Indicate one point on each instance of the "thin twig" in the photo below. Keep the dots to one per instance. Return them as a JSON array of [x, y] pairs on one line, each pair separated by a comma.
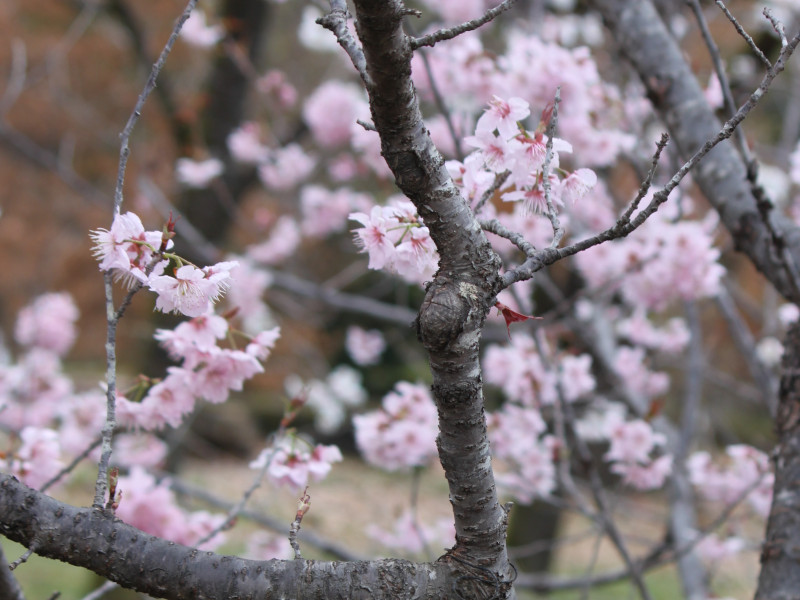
[[724, 83], [75, 462], [112, 316], [552, 213], [336, 550], [499, 180], [16, 77], [496, 227], [22, 559], [442, 105], [744, 34], [449, 34], [625, 226], [101, 591], [777, 26], [237, 508], [302, 508], [124, 152], [336, 22]]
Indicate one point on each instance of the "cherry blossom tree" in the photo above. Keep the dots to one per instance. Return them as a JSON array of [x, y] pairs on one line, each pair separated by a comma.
[[498, 170]]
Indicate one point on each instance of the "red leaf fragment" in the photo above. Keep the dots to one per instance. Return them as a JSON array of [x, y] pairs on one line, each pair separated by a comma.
[[511, 316]]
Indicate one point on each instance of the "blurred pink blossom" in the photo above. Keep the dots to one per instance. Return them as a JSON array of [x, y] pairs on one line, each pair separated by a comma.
[[197, 173], [48, 323], [364, 347], [197, 33]]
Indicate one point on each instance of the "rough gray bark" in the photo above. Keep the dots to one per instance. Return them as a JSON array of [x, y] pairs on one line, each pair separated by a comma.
[[780, 575], [9, 587], [457, 300], [449, 325], [98, 541]]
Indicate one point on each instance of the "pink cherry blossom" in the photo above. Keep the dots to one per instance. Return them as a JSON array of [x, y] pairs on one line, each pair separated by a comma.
[[326, 212], [248, 284], [167, 402], [403, 433], [629, 363], [713, 549], [48, 323], [364, 347], [503, 115], [144, 450], [189, 292], [373, 237], [245, 145], [331, 397], [198, 173], [200, 333], [220, 370], [577, 185], [151, 506], [263, 343], [277, 86], [648, 476], [126, 248], [196, 32], [633, 441], [293, 465], [263, 545], [286, 167], [283, 240], [413, 537], [331, 110], [38, 459], [727, 480]]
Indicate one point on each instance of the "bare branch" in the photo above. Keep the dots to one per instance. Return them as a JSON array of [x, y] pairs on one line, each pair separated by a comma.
[[552, 213], [499, 180], [625, 224], [722, 76], [744, 34], [777, 26], [496, 227], [336, 22], [9, 586], [449, 34], [112, 316], [137, 109], [97, 540], [16, 77]]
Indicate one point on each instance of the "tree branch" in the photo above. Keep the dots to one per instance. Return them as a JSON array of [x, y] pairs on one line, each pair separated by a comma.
[[97, 540], [652, 50], [448, 34]]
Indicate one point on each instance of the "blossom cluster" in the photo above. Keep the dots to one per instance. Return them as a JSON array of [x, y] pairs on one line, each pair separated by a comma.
[[661, 262], [396, 240], [504, 145], [292, 462], [747, 473], [207, 371], [136, 255], [519, 370], [329, 398], [631, 454], [402, 434], [524, 451], [151, 506]]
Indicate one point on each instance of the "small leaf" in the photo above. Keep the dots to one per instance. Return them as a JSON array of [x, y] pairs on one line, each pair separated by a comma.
[[511, 316]]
